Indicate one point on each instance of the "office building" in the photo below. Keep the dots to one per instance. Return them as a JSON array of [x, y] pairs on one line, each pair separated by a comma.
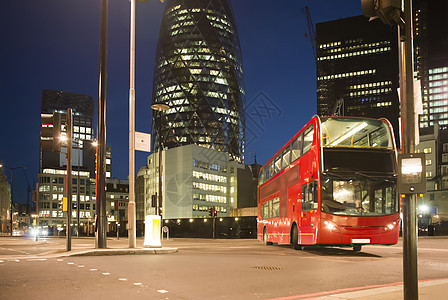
[[198, 73], [53, 165], [357, 69], [195, 179], [431, 61], [117, 200]]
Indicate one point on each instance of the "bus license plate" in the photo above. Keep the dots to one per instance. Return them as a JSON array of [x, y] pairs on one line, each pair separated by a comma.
[[360, 241]]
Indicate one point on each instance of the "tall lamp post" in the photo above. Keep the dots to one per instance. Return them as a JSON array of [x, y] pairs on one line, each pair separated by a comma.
[[160, 107], [12, 190], [131, 206], [101, 221]]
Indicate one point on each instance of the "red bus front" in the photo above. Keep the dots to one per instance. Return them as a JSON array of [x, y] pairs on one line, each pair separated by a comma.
[[338, 190]]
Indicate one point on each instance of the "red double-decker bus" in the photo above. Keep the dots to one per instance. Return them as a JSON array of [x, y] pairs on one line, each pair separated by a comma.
[[333, 184]]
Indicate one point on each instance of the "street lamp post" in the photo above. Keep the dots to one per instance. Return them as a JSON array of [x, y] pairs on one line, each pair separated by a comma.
[[69, 178], [160, 107], [131, 205], [101, 221]]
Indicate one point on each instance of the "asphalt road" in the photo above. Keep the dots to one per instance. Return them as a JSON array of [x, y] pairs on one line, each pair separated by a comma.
[[206, 269]]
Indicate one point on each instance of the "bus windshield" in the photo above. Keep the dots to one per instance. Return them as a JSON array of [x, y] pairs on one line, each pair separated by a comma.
[[355, 133], [358, 195]]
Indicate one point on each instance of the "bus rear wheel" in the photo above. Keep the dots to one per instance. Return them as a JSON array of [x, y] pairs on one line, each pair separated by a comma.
[[295, 239], [265, 237], [357, 248]]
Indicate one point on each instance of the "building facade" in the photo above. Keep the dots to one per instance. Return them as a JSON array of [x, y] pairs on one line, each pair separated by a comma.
[[198, 73], [431, 60], [194, 179], [433, 205], [53, 165], [5, 203], [357, 69], [117, 200]]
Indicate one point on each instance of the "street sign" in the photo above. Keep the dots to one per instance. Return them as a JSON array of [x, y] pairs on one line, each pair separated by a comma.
[[142, 141], [411, 173]]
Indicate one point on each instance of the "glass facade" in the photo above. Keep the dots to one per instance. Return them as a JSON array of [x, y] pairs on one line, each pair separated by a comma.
[[357, 73], [198, 73]]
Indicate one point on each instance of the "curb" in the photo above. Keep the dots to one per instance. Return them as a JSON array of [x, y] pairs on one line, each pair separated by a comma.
[[108, 252], [93, 252]]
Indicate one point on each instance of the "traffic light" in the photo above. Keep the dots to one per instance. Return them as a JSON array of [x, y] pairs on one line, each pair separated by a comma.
[[50, 131], [389, 11], [211, 211], [215, 212], [153, 200]]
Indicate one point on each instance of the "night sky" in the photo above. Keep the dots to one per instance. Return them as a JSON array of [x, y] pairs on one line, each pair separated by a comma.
[[54, 44]]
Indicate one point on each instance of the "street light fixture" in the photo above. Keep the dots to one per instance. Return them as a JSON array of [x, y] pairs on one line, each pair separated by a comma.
[[160, 107]]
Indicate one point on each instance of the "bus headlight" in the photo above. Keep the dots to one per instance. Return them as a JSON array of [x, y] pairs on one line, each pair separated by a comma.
[[390, 226], [330, 225]]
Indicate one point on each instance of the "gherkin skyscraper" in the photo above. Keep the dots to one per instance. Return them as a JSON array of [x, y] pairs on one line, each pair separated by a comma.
[[198, 73]]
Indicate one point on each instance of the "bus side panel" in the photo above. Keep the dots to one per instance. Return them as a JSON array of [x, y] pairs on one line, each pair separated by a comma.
[[293, 206], [264, 192], [310, 219]]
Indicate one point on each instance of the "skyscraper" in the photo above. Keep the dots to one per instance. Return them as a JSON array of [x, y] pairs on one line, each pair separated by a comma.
[[52, 168], [82, 105], [357, 71], [198, 73], [431, 61]]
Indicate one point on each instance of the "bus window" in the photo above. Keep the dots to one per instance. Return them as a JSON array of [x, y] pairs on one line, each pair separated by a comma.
[[275, 207], [278, 164], [262, 176], [265, 212], [271, 168], [296, 146], [309, 196], [271, 208], [285, 157], [308, 139]]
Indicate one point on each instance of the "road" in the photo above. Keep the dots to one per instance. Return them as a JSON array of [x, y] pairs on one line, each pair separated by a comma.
[[208, 269]]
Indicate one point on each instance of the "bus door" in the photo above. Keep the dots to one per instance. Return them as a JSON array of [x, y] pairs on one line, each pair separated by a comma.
[[308, 215]]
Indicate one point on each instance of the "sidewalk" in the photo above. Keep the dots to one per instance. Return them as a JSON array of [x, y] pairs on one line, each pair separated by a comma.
[[51, 247], [428, 290]]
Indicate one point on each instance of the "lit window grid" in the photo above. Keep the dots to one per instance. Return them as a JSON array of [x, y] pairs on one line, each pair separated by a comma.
[[209, 187], [348, 74], [371, 92], [209, 177], [370, 85], [210, 198], [356, 46], [357, 53]]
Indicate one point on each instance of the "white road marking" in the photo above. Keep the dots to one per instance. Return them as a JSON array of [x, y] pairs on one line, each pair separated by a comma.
[[60, 259], [70, 263], [81, 266], [93, 269], [17, 260], [106, 274], [162, 291], [122, 279], [138, 283]]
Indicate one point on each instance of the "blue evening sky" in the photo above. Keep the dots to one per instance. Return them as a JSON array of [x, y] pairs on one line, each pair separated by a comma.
[[54, 44]]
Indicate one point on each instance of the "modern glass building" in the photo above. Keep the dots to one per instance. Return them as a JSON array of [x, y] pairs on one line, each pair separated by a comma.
[[198, 73], [83, 133], [358, 69]]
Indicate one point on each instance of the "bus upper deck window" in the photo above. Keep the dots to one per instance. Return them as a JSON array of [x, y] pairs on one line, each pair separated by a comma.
[[308, 139]]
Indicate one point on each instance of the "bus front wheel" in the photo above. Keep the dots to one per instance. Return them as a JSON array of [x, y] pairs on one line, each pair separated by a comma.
[[295, 239], [265, 237]]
